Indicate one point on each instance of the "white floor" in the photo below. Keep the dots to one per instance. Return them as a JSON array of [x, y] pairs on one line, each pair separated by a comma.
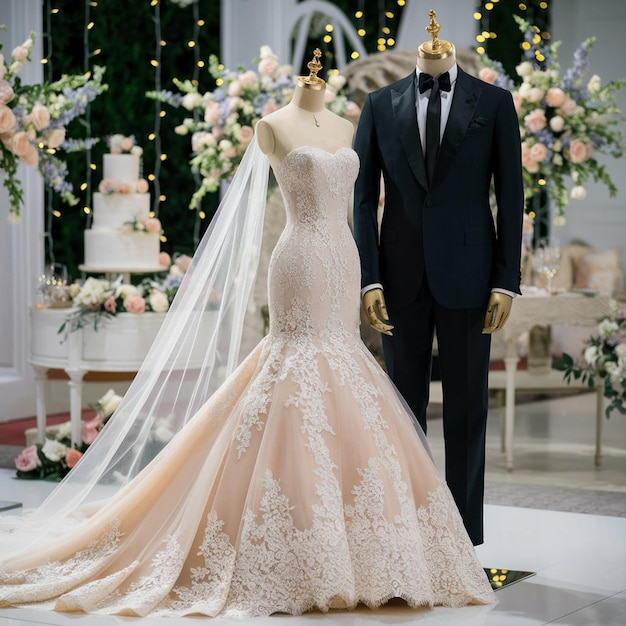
[[579, 559]]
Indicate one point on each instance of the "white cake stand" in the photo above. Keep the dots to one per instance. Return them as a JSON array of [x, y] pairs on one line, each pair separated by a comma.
[[112, 272]]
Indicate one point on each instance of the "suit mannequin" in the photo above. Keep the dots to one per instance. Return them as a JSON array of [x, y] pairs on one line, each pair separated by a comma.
[[438, 263]]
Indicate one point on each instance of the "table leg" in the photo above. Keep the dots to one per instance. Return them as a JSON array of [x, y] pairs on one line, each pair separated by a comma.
[[599, 424], [510, 362], [41, 382], [76, 405]]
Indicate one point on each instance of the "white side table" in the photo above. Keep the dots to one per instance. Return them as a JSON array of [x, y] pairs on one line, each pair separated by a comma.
[[119, 345]]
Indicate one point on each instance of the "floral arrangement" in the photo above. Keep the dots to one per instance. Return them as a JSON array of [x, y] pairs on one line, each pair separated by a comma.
[[119, 144], [97, 298], [604, 358], [33, 121], [56, 457], [565, 119], [143, 224], [221, 122]]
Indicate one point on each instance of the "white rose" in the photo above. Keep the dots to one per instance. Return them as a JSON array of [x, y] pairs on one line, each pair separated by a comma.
[[594, 84], [591, 354], [535, 94], [181, 129], [578, 193], [336, 81], [557, 123], [606, 328], [175, 270], [54, 450], [126, 291], [620, 352], [110, 406], [524, 69], [191, 101], [136, 150], [64, 431], [158, 301], [524, 90]]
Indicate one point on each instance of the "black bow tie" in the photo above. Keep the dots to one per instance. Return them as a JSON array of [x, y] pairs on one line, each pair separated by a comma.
[[426, 81]]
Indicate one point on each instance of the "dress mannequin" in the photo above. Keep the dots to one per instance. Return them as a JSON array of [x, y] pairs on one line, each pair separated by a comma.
[[305, 121], [435, 57]]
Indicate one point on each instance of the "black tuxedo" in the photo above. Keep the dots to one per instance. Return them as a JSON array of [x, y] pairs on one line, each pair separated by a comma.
[[439, 254]]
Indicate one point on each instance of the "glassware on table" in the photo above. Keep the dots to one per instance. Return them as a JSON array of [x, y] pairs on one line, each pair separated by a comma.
[[547, 260], [52, 287]]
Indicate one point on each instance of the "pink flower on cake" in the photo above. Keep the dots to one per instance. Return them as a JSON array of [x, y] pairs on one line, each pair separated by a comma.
[[153, 225], [28, 459], [142, 186], [128, 227], [110, 305], [124, 188], [127, 143], [164, 259], [40, 117], [135, 304], [72, 456], [107, 185]]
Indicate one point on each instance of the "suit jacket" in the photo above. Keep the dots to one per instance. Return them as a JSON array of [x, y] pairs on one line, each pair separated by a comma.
[[445, 230]]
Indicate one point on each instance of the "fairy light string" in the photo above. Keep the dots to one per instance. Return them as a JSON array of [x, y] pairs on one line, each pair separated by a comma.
[[158, 112]]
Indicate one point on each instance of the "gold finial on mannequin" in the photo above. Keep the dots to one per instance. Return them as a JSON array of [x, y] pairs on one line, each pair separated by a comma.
[[313, 81], [436, 48]]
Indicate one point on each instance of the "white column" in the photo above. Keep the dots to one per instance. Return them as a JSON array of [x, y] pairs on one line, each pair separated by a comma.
[[21, 245]]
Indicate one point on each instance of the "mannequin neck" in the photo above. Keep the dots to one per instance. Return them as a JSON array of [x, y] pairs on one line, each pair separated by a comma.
[[308, 98], [435, 67]]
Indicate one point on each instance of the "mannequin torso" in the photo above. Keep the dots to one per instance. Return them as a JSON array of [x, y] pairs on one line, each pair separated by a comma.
[[303, 122]]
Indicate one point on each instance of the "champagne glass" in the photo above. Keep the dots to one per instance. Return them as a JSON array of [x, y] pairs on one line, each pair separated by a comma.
[[547, 260]]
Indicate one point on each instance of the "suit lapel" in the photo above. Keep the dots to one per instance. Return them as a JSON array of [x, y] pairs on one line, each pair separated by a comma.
[[403, 103], [466, 94]]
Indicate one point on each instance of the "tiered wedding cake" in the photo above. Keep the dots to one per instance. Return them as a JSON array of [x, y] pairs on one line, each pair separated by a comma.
[[123, 236]]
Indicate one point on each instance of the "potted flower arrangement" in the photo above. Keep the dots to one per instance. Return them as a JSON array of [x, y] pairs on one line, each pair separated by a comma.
[[603, 361], [53, 459], [221, 122], [33, 122], [566, 119]]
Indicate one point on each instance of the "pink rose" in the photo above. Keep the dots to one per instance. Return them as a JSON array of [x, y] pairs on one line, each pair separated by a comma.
[[234, 89], [126, 144], [270, 107], [116, 150], [183, 262], [153, 225], [28, 459], [124, 188], [527, 162], [211, 113], [40, 116], [6, 138], [229, 153], [55, 137], [142, 186], [91, 429], [248, 78], [109, 304], [576, 151], [535, 95], [568, 107], [107, 185], [20, 53], [6, 92], [20, 143], [31, 158], [72, 456], [217, 132], [538, 152], [164, 259], [7, 119], [555, 97], [127, 227], [535, 120], [352, 109], [135, 304], [488, 74], [517, 102], [267, 66], [246, 134]]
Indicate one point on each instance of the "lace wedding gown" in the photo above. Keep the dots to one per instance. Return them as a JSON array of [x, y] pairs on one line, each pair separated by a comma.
[[302, 483]]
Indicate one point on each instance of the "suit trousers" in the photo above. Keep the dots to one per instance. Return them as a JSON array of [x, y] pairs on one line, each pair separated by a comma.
[[464, 363]]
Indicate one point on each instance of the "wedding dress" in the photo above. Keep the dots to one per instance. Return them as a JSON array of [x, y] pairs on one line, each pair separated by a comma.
[[302, 483]]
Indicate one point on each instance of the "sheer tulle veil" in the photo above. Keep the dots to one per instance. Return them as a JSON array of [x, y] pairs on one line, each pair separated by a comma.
[[196, 349]]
